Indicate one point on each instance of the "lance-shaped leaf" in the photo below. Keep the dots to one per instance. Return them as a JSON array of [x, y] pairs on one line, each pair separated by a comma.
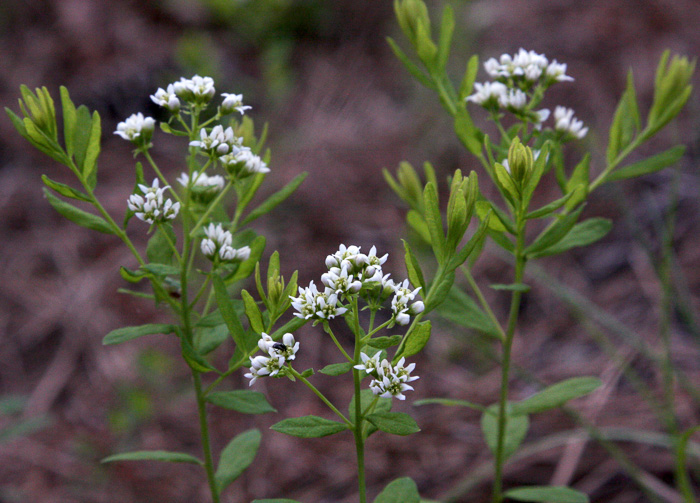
[[415, 274], [336, 369], [447, 28], [626, 122], [128, 333], [92, 151], [582, 234], [412, 68], [309, 427], [236, 457], [247, 267], [252, 312], [647, 166], [434, 221], [418, 224], [554, 233], [460, 308], [65, 190], [556, 395], [546, 494], [548, 209], [516, 429], [384, 342], [416, 340], [78, 216], [396, 423], [242, 400], [170, 457], [275, 199], [159, 249], [469, 77], [228, 311]]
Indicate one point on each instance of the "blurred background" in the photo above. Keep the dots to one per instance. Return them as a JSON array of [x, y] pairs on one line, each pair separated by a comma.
[[341, 108]]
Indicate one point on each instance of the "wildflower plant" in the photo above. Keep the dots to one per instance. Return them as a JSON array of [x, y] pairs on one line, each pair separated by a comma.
[[530, 145], [198, 250]]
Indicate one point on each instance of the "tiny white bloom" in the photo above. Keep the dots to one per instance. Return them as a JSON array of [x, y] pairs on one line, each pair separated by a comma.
[[167, 98], [488, 94], [136, 128], [233, 102], [197, 90], [369, 365], [152, 206], [565, 122], [557, 72]]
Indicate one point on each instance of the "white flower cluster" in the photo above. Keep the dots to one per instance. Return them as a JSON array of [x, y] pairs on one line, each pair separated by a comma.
[[136, 128], [349, 272], [278, 353], [515, 78], [196, 91], [389, 380], [403, 305], [218, 244], [566, 123], [152, 206]]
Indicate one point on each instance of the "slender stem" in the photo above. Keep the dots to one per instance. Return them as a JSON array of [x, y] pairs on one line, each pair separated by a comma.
[[507, 345], [321, 396], [327, 329], [160, 174], [211, 207], [204, 431], [359, 419], [482, 300]]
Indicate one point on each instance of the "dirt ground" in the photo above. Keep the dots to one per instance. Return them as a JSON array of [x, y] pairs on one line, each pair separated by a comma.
[[341, 108]]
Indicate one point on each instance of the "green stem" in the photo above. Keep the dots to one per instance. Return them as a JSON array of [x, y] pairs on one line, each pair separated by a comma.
[[204, 431], [359, 419], [507, 345], [321, 396], [160, 174], [482, 300], [211, 207], [327, 329]]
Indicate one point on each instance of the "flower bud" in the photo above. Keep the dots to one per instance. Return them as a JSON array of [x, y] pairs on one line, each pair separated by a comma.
[[520, 161]]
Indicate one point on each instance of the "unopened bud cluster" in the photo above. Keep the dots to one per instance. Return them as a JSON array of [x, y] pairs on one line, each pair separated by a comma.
[[519, 82], [217, 245]]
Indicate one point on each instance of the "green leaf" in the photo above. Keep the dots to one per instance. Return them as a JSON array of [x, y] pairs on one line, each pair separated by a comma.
[[434, 221], [236, 457], [384, 342], [534, 177], [415, 274], [439, 291], [582, 234], [69, 120], [447, 28], [65, 190], [396, 423], [416, 340], [554, 233], [556, 395], [336, 369], [401, 490], [461, 309], [81, 138], [160, 270], [516, 429], [275, 199], [506, 184], [158, 249], [78, 216], [649, 165], [246, 268], [473, 244], [252, 312], [128, 333], [416, 221], [412, 68], [207, 339], [626, 122], [131, 276], [243, 401], [194, 359], [366, 398], [514, 287], [449, 402], [170, 457], [309, 427], [548, 209], [467, 84], [93, 150], [546, 494], [467, 133], [228, 312]]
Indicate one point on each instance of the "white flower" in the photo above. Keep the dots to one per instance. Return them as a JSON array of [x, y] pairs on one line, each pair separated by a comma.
[[252, 163], [373, 267], [219, 140], [213, 183], [340, 281], [197, 90], [557, 72], [261, 366], [166, 98], [391, 381], [233, 102], [287, 348], [488, 94], [514, 99], [566, 123], [136, 128], [218, 241], [152, 206], [403, 296], [369, 365], [314, 304]]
